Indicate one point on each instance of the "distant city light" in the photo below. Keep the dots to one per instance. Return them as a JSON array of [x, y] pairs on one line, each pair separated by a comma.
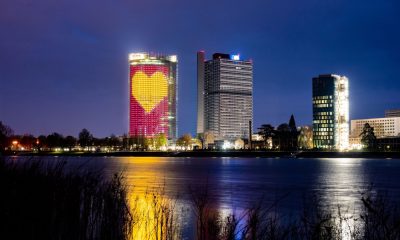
[[235, 57], [137, 56], [173, 58], [227, 145]]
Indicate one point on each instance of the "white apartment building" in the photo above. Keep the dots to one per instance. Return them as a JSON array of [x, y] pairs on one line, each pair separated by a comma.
[[383, 127]]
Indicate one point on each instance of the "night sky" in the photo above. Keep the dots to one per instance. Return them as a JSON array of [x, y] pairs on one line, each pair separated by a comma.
[[64, 64]]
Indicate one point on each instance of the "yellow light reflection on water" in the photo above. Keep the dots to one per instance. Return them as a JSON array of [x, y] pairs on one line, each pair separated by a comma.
[[155, 214], [155, 217]]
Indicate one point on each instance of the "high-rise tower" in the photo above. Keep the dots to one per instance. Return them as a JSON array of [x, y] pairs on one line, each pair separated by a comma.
[[153, 95], [228, 95], [330, 112], [200, 92]]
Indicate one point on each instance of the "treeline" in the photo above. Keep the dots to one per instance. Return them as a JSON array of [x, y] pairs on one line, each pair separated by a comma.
[[86, 141], [8, 140], [159, 141], [285, 137]]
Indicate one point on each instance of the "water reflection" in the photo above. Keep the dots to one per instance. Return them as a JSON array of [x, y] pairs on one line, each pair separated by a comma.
[[342, 181], [161, 189], [156, 216], [161, 196], [157, 210]]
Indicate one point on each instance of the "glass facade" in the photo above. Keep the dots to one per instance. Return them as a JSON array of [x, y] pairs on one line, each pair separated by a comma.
[[330, 112], [228, 96], [153, 95]]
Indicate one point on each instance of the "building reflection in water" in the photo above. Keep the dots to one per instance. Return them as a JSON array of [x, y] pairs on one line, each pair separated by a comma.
[[157, 211], [162, 202], [338, 189], [162, 205]]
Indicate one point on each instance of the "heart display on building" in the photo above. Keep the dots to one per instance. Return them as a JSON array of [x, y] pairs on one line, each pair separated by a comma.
[[148, 100]]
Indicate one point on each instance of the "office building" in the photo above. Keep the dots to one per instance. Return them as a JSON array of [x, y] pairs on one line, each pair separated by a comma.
[[383, 127], [200, 92], [330, 112], [388, 127], [388, 143], [392, 113], [228, 96], [153, 95]]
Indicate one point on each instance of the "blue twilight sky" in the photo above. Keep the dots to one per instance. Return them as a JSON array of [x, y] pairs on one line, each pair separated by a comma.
[[64, 67]]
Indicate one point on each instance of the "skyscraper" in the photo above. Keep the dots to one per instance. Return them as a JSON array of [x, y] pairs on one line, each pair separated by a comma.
[[200, 92], [330, 112], [153, 95], [227, 95]]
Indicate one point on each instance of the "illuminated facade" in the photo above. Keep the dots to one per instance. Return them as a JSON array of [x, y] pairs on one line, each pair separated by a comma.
[[200, 92], [383, 127], [228, 96], [331, 112], [153, 95]]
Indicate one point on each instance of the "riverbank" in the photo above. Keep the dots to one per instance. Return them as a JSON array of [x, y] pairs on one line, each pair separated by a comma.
[[250, 154]]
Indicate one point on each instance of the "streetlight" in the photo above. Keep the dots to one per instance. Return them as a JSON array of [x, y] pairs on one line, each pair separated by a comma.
[[15, 144]]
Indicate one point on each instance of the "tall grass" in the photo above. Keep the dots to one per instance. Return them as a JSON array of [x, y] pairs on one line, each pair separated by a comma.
[[378, 218], [155, 216], [45, 201]]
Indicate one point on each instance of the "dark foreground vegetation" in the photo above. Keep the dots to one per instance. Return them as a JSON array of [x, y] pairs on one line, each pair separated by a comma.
[[50, 201], [45, 201], [378, 218]]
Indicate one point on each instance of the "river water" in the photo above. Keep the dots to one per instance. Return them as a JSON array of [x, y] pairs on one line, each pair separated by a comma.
[[235, 184]]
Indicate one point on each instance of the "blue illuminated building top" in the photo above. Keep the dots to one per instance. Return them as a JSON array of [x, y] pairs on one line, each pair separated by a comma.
[[235, 57]]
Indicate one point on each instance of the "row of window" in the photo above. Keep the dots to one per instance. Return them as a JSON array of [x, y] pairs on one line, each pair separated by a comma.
[[323, 105], [324, 118], [322, 131], [322, 101], [322, 121], [323, 137], [324, 125], [322, 97], [323, 113]]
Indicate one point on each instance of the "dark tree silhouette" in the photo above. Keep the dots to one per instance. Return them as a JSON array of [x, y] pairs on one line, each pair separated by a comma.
[[292, 124], [5, 133], [283, 135], [267, 131], [113, 141], [42, 140], [85, 138], [368, 138], [70, 142], [293, 141], [54, 140], [28, 141]]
